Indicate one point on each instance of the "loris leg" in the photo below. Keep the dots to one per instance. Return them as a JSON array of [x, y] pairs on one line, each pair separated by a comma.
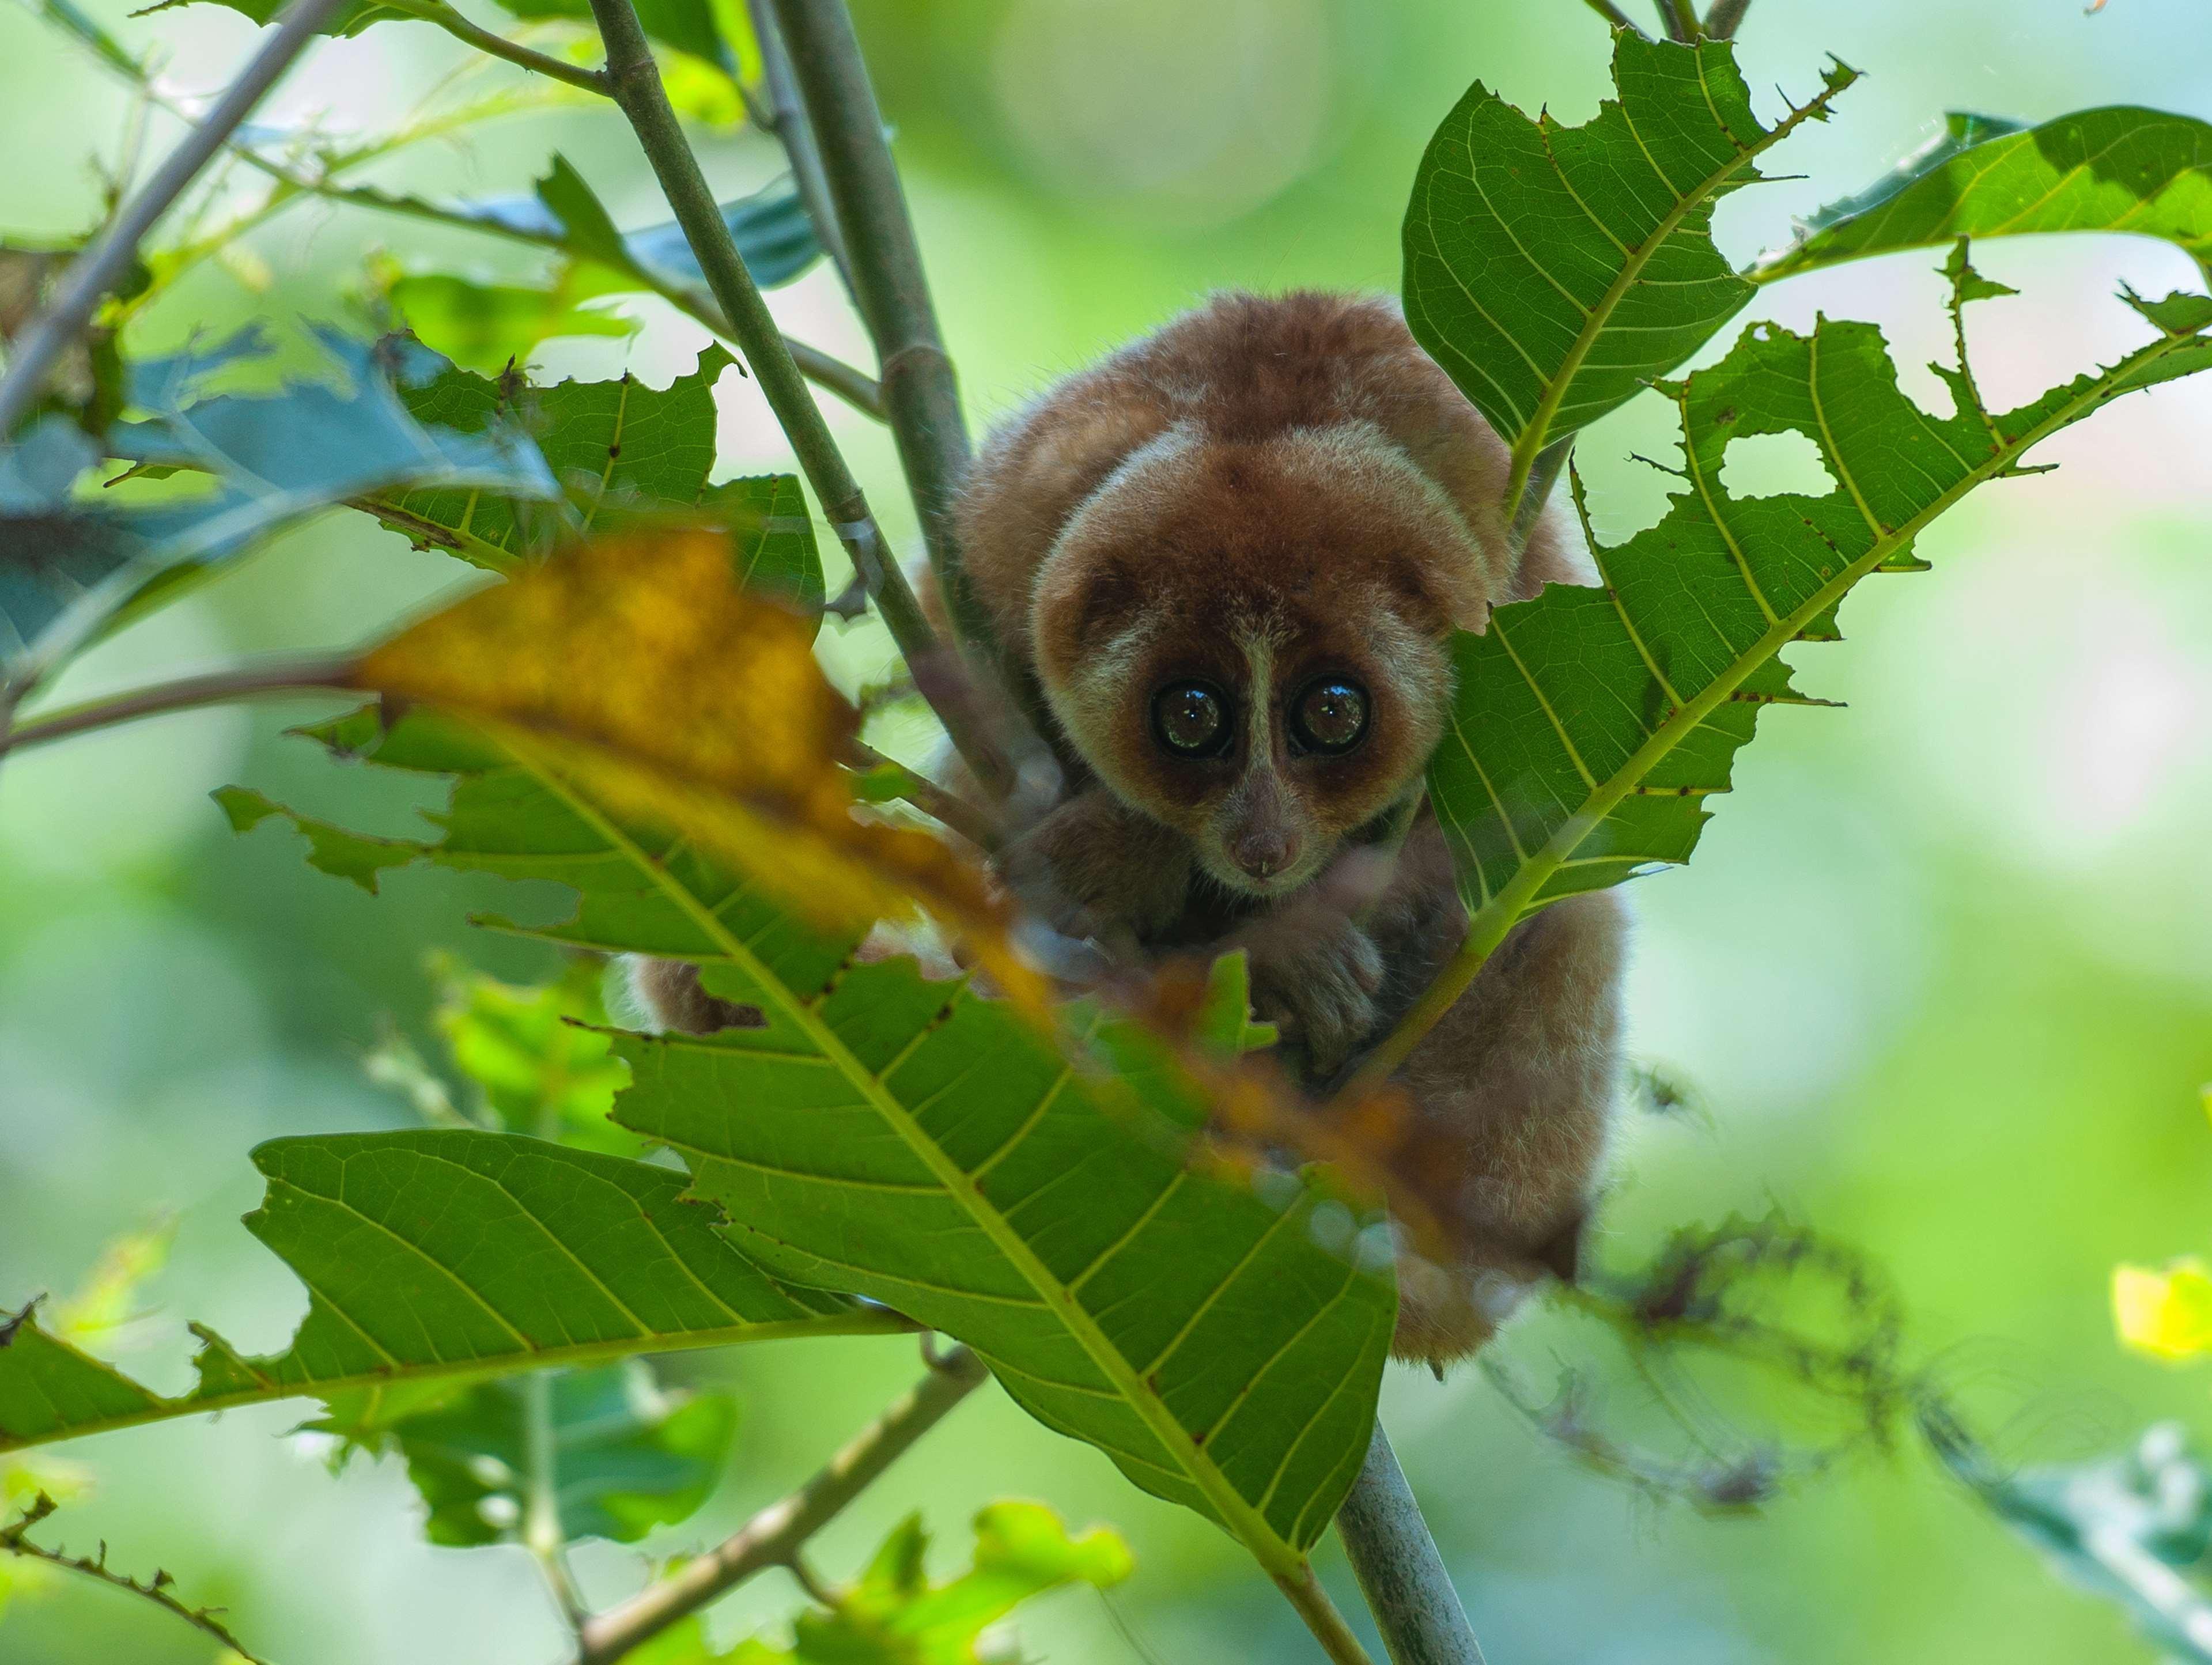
[[1095, 867], [1513, 1095]]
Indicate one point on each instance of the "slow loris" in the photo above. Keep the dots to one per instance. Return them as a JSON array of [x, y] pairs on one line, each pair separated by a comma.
[[1232, 553]]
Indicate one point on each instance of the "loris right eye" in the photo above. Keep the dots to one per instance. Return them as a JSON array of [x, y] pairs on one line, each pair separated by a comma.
[[1192, 719]]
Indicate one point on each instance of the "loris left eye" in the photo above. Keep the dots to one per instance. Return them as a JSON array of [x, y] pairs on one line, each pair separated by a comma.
[[1329, 716]]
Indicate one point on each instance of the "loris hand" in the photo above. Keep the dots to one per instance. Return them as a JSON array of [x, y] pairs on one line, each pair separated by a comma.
[[1315, 971], [1094, 867]]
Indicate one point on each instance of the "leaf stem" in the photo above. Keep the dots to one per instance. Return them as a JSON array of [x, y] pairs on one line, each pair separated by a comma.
[[96, 271], [1398, 1567], [498, 46], [308, 676], [636, 79], [1680, 21], [775, 1536], [1321, 1617], [542, 1533], [158, 1589]]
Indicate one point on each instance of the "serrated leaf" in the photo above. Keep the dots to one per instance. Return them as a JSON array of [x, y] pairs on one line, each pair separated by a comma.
[[2120, 168], [1553, 271], [538, 1057], [893, 1615], [1591, 723], [886, 1134], [622, 1456], [435, 1256]]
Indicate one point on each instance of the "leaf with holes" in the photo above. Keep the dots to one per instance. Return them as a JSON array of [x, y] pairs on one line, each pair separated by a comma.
[[2146, 173], [888, 1135], [432, 1257], [1591, 723], [1553, 271]]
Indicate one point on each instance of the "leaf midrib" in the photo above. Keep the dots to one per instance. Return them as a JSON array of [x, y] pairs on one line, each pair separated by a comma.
[[1274, 1552]]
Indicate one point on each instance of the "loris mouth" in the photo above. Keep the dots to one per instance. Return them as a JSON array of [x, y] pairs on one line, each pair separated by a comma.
[[1261, 888]]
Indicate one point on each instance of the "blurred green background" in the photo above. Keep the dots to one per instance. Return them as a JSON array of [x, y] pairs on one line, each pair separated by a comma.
[[1941, 974]]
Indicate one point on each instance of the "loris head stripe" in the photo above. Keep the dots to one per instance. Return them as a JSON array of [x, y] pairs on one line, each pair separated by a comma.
[[1246, 639]]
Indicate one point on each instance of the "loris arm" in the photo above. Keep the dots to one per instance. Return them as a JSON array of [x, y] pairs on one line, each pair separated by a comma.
[[1095, 867]]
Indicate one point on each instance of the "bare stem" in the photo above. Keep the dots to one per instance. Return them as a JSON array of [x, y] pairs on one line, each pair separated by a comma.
[[498, 46], [785, 118], [1322, 1618], [951, 810], [1614, 15], [159, 1589], [96, 271], [1680, 21], [542, 1532], [241, 682], [636, 79], [775, 1536], [1399, 1569], [1725, 18]]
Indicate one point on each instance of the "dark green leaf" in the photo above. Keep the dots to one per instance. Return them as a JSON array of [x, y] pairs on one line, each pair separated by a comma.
[[623, 1455], [1594, 722], [906, 1140], [2121, 168], [1553, 271], [431, 1257]]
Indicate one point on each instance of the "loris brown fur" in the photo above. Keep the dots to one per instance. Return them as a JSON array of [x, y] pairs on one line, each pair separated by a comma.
[[1219, 531]]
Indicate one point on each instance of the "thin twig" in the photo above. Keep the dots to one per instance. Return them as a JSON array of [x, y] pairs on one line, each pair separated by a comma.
[[158, 1589], [1680, 21], [499, 46], [1618, 18], [949, 809], [1725, 18], [1400, 1571], [636, 82], [785, 118], [242, 681], [543, 1535], [775, 1536], [98, 269], [1536, 491], [856, 386]]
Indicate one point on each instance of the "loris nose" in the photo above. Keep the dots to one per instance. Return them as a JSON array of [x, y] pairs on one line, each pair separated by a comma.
[[1263, 855]]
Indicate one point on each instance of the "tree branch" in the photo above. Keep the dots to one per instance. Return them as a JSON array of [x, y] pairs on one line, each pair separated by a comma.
[[1681, 22], [1613, 15], [785, 118], [96, 271], [775, 1536], [1399, 1569], [636, 79], [1725, 18], [158, 1589], [332, 675]]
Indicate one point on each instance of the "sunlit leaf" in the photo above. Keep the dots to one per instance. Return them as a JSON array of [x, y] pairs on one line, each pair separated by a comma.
[[2122, 168], [2165, 1314], [1553, 271], [1593, 722], [622, 1455], [485, 327], [435, 1256], [895, 1615]]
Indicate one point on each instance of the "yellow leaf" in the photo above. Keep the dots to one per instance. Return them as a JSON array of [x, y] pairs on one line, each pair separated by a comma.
[[2167, 1315], [636, 674]]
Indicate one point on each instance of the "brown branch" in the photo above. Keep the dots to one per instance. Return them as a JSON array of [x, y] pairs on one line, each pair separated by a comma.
[[1725, 18], [776, 1535], [158, 1589], [241, 682]]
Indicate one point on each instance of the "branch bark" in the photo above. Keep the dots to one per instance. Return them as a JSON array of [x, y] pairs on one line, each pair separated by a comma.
[[1398, 1567], [330, 675], [97, 270], [785, 118], [636, 79], [776, 1535]]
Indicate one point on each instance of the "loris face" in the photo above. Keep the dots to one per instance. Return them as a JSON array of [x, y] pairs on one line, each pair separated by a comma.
[[1247, 640]]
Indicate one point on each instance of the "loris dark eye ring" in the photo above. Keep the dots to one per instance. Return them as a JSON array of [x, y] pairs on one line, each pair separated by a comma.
[[1192, 719], [1330, 716]]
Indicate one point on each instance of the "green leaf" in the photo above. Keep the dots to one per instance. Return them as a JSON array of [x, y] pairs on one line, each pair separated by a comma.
[[686, 25], [905, 1139], [260, 460], [431, 1257], [895, 1616], [485, 327], [2134, 1530], [2121, 168], [1552, 270], [624, 452], [623, 1456], [1591, 723]]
